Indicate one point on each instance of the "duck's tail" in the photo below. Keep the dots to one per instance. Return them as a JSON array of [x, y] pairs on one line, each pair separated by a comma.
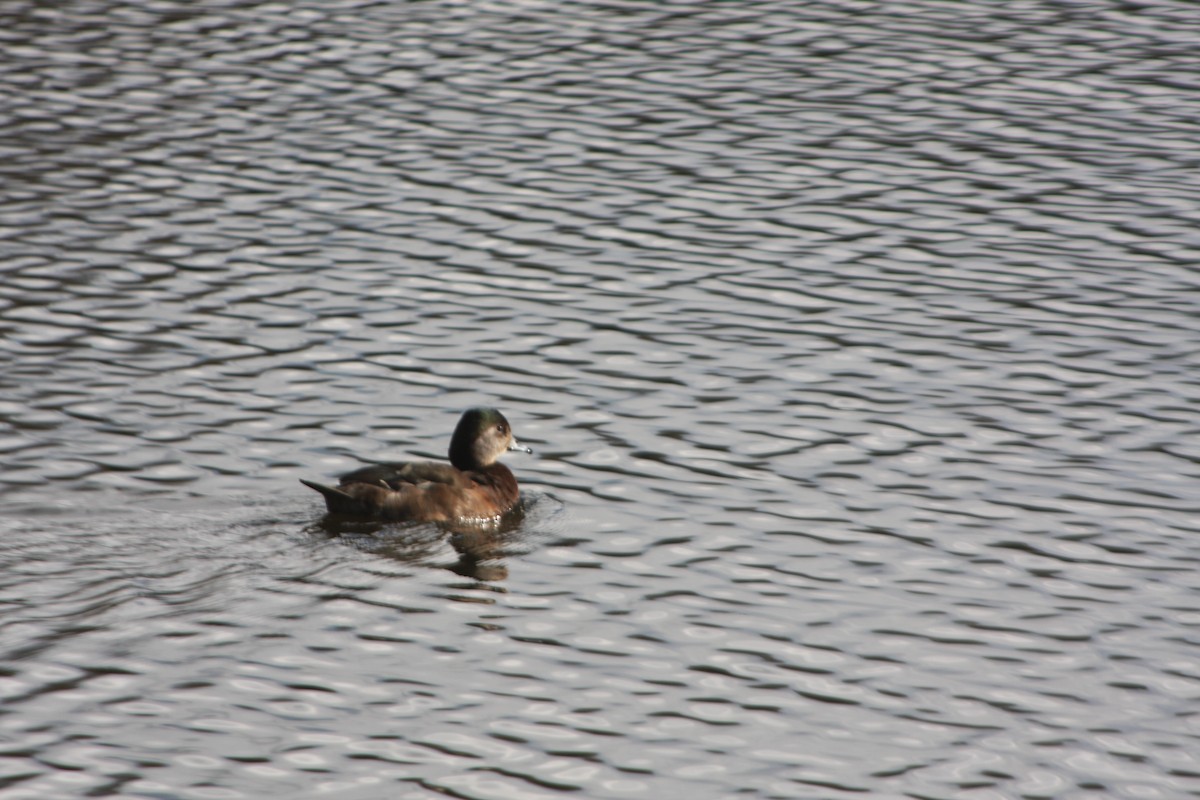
[[337, 501]]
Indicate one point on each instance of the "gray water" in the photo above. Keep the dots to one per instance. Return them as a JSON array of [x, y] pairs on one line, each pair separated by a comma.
[[857, 342]]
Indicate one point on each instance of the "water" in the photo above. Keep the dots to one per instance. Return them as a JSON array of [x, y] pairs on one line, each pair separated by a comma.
[[856, 340]]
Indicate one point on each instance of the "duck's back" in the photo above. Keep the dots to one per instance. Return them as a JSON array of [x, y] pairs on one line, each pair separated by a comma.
[[425, 491], [400, 474]]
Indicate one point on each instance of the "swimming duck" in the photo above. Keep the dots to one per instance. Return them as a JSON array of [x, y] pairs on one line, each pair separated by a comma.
[[472, 486]]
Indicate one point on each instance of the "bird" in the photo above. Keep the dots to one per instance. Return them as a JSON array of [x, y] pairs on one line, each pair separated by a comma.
[[474, 485]]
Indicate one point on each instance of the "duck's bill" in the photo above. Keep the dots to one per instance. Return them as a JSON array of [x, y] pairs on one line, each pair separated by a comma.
[[518, 446]]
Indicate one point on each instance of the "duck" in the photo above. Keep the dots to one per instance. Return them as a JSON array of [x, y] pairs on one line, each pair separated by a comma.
[[474, 485]]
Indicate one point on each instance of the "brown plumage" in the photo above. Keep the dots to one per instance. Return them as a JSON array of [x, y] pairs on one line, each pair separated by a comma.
[[473, 485]]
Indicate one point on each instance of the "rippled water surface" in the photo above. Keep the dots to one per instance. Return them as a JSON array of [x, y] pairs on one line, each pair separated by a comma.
[[857, 342]]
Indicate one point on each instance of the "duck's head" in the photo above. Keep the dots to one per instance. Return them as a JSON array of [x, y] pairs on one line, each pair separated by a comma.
[[482, 436]]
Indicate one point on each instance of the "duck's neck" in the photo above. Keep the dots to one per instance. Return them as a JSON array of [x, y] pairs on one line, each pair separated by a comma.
[[462, 454]]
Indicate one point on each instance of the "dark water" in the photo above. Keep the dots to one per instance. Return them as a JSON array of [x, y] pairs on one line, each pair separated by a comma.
[[857, 341]]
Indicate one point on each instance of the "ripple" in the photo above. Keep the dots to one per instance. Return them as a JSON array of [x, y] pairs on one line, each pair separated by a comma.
[[855, 343]]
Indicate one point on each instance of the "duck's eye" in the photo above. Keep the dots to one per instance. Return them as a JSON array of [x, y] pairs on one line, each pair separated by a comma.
[[503, 429]]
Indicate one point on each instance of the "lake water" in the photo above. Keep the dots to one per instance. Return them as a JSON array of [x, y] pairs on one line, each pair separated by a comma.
[[857, 342]]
